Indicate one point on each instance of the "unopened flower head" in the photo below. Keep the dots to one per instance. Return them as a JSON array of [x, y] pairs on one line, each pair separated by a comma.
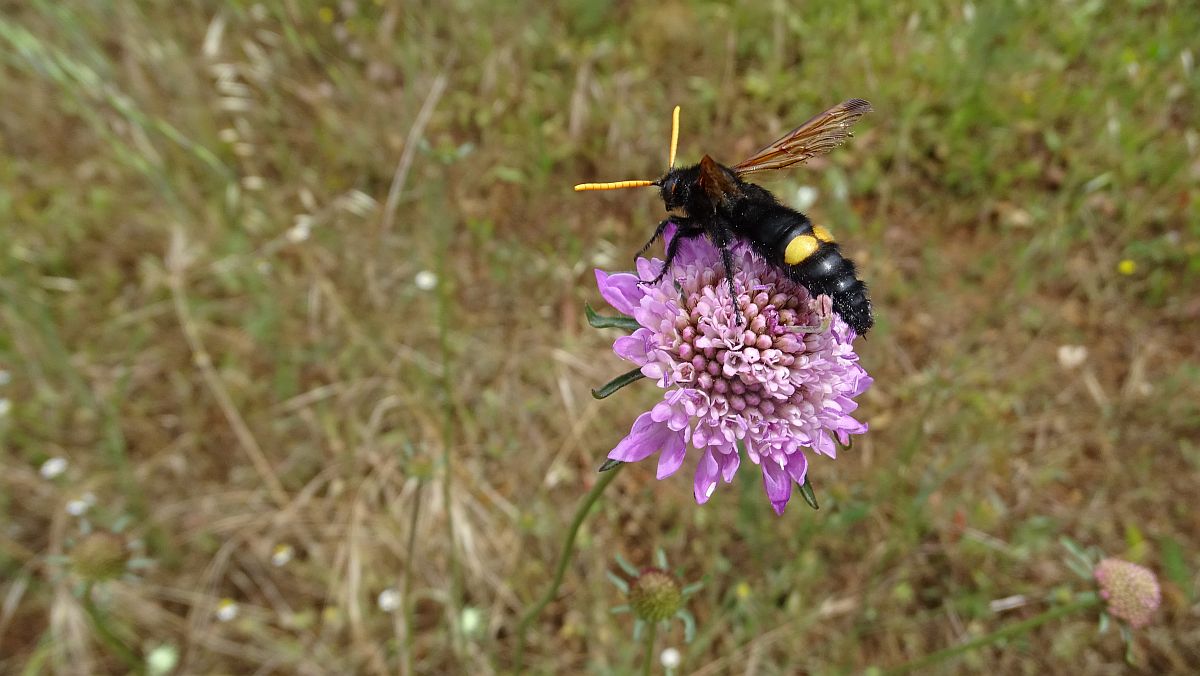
[[100, 556], [655, 595], [782, 381], [1130, 591]]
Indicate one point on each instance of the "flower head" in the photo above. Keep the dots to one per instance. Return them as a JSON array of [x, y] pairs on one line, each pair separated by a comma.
[[100, 556], [655, 595], [1130, 591], [227, 610], [781, 381]]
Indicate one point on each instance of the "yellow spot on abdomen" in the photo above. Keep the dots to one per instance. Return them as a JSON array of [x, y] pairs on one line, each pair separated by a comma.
[[800, 248], [822, 234]]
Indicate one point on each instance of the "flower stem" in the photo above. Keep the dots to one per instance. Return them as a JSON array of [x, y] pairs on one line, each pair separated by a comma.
[[1083, 602], [106, 635], [648, 658], [568, 548]]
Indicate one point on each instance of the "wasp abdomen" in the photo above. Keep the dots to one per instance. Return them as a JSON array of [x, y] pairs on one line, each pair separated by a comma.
[[826, 271]]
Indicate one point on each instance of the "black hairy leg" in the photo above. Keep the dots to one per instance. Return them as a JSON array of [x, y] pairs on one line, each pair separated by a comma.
[[658, 232], [686, 231], [723, 237]]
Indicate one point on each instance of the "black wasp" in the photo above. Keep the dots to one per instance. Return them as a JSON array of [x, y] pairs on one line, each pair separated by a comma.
[[712, 199]]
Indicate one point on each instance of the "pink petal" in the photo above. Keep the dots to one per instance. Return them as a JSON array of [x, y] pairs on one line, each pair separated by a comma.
[[729, 461], [645, 438], [706, 477], [777, 484], [672, 455], [797, 467], [634, 347], [696, 250], [825, 446], [649, 269], [621, 290]]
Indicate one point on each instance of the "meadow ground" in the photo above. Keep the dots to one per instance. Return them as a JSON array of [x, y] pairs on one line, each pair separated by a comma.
[[215, 222]]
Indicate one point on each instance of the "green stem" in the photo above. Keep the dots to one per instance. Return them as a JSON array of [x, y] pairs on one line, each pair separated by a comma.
[[563, 559], [114, 643], [1083, 602], [648, 658]]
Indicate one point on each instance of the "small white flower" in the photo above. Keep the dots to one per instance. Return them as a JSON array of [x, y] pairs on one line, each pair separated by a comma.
[[670, 658], [1071, 356], [281, 555], [253, 183], [5, 377], [162, 660], [227, 609], [389, 600], [472, 620], [5, 406], [806, 196], [53, 467], [425, 280], [968, 11], [81, 505]]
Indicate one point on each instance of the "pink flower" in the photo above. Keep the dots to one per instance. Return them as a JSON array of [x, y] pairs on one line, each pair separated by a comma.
[[783, 381], [1130, 591]]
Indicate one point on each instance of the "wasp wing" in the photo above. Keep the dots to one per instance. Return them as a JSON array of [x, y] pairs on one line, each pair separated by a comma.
[[717, 182], [821, 134]]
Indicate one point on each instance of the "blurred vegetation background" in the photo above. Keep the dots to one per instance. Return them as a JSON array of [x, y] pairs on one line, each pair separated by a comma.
[[295, 289]]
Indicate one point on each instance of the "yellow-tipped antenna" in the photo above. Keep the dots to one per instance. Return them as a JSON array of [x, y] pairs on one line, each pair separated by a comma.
[[615, 185], [674, 137]]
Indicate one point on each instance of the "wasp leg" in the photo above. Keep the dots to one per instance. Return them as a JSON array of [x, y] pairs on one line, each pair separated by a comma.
[[685, 232], [657, 233], [722, 238]]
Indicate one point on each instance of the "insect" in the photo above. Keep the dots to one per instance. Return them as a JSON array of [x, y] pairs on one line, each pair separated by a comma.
[[712, 199]]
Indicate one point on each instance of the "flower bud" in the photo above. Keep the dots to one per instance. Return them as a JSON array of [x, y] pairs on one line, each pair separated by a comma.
[[100, 556], [655, 596]]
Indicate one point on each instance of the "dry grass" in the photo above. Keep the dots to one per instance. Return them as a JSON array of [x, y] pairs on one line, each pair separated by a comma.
[[214, 218]]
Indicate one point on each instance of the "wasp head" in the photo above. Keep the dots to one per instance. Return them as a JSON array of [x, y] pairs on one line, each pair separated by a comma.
[[680, 191]]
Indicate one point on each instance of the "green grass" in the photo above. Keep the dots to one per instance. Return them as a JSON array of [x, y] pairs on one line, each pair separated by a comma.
[[223, 384]]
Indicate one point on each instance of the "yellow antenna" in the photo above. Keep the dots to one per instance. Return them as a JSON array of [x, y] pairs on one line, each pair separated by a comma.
[[618, 185], [674, 137], [615, 185]]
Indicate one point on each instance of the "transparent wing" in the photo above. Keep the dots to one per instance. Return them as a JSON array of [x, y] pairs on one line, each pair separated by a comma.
[[817, 136]]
